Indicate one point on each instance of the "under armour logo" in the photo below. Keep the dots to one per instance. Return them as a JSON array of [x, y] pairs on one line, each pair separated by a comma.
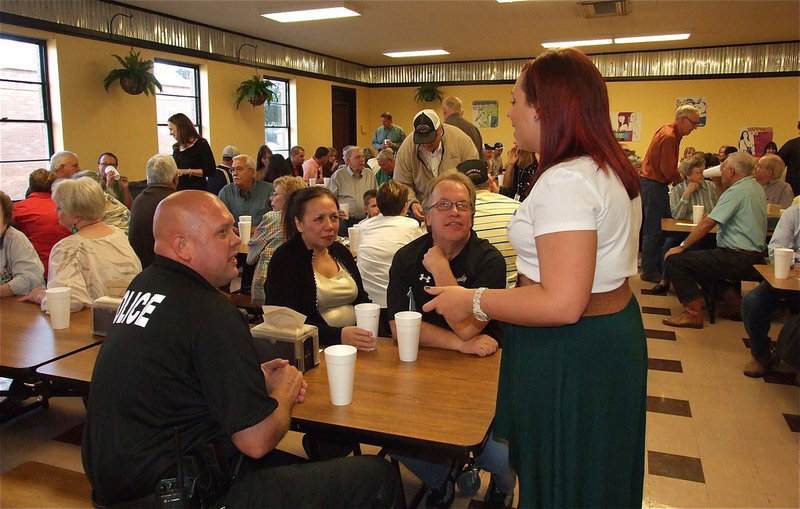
[[423, 277]]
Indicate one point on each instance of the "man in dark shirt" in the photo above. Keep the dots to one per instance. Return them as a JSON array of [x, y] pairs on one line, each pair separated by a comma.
[[178, 369], [162, 180], [449, 254]]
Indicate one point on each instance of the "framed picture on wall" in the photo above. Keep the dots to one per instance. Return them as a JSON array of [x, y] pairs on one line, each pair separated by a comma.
[[627, 125], [484, 113]]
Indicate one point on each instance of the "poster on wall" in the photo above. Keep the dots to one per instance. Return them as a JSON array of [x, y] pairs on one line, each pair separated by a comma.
[[627, 125], [700, 102], [484, 113], [753, 140]]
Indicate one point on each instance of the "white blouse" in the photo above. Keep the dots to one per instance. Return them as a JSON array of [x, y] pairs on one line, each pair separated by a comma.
[[575, 196], [85, 265], [335, 298]]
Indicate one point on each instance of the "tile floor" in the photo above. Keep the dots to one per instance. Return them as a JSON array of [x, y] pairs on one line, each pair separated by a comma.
[[715, 438]]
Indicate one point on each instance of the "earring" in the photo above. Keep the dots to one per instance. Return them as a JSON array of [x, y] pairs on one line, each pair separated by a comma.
[[74, 228]]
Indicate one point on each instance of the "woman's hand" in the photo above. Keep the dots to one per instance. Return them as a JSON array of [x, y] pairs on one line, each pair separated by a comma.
[[452, 302], [481, 345], [36, 296], [359, 338], [691, 187], [512, 157]]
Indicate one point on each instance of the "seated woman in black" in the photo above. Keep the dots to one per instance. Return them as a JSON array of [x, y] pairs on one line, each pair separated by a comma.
[[315, 275]]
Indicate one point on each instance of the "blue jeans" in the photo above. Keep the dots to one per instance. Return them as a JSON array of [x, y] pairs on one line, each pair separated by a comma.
[[493, 459], [655, 205], [757, 308]]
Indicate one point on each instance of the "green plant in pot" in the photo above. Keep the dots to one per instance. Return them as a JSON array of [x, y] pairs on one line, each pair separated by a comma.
[[134, 76], [428, 92], [257, 91]]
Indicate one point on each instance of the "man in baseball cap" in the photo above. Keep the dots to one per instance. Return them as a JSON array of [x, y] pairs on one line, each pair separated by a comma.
[[434, 148], [222, 176]]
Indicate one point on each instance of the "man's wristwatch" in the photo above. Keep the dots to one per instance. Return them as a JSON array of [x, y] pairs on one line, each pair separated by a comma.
[[477, 312], [683, 245]]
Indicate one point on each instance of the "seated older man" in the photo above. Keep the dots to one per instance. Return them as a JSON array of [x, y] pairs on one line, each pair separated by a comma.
[[246, 196], [741, 214], [759, 303], [769, 173], [450, 253]]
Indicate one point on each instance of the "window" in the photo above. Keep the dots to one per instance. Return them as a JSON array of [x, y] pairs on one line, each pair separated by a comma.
[[277, 126], [26, 139], [181, 94]]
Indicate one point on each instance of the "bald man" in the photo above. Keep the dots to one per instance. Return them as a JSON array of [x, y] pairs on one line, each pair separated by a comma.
[[178, 365], [453, 113]]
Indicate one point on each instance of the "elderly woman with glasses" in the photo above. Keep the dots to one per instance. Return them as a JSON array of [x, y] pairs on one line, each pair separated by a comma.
[[95, 252], [269, 234]]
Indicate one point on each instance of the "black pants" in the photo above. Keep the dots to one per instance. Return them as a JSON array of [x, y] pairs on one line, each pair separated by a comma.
[[360, 481], [692, 268]]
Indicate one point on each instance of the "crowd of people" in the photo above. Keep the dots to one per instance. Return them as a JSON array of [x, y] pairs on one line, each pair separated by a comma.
[[530, 252]]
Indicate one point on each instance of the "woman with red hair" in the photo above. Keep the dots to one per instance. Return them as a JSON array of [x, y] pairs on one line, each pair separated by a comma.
[[571, 399]]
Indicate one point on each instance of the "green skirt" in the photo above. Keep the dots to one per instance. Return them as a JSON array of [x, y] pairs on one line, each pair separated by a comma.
[[571, 403]]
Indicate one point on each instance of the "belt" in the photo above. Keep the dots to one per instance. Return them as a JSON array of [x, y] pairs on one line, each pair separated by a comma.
[[604, 303], [750, 253]]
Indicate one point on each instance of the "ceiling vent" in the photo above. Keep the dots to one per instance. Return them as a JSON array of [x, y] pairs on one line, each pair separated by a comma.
[[604, 8]]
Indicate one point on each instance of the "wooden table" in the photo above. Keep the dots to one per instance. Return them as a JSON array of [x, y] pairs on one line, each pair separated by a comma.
[[73, 372], [443, 402], [669, 224], [792, 283], [27, 340]]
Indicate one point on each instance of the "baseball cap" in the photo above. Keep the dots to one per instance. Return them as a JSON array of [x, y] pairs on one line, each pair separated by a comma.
[[475, 169], [426, 122], [498, 146], [230, 151]]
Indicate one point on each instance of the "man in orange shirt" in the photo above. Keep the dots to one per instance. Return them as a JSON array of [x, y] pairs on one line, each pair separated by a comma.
[[659, 169]]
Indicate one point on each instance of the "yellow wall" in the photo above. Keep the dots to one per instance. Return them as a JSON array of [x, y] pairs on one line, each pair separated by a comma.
[[93, 121]]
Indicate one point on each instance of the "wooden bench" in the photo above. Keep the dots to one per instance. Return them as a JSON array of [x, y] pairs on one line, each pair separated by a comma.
[[34, 484]]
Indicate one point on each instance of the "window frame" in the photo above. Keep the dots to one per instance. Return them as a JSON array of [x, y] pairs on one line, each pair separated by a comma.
[[287, 97], [47, 111], [197, 98]]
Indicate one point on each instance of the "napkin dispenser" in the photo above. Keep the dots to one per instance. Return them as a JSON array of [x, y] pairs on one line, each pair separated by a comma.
[[285, 334], [103, 311]]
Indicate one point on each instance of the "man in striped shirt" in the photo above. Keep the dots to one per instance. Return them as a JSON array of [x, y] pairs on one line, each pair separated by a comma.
[[492, 213]]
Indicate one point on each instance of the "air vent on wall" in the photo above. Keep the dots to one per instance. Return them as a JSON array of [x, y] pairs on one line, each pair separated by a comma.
[[603, 8]]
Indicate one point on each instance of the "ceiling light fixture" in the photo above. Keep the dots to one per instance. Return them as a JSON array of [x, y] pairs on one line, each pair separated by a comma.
[[570, 44], [651, 38], [420, 53], [312, 14]]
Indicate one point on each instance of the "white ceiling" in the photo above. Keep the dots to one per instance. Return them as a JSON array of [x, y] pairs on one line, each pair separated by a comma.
[[487, 30]]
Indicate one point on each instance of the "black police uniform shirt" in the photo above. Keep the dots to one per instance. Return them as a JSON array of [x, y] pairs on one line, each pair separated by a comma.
[[478, 264], [178, 355]]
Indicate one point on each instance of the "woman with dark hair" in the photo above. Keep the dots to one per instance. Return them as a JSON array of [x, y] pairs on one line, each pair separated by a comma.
[[191, 152], [572, 390], [331, 165], [276, 168], [771, 148], [315, 275], [264, 153], [518, 176]]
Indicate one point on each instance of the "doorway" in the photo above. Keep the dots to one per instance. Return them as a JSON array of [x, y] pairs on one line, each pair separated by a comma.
[[343, 113]]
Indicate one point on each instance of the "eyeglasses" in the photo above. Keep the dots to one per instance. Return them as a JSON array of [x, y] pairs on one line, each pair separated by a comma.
[[238, 169], [694, 123], [446, 205]]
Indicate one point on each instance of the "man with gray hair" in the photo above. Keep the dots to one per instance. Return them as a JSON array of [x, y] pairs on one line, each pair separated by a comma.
[[768, 173], [659, 169], [162, 181], [453, 113], [349, 184], [249, 197], [64, 164], [385, 172], [741, 215]]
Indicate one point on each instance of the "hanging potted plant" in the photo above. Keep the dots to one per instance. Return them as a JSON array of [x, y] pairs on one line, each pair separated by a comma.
[[257, 91], [134, 76], [428, 92]]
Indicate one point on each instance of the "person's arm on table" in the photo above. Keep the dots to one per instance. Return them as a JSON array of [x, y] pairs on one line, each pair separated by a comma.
[[286, 385], [700, 230], [437, 337], [567, 264]]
